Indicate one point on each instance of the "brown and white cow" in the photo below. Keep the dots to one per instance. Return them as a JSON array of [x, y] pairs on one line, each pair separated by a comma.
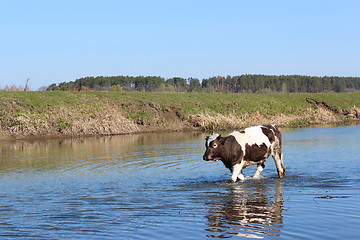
[[249, 147]]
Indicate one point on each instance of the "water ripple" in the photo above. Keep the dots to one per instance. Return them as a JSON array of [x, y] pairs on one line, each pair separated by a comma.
[[158, 187]]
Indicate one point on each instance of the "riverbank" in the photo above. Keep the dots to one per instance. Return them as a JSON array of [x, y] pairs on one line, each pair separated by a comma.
[[59, 114]]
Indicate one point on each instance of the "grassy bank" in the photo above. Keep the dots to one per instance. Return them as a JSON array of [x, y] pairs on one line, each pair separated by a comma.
[[97, 113]]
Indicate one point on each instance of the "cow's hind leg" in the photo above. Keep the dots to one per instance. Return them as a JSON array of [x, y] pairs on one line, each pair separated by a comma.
[[282, 163], [260, 168], [278, 158]]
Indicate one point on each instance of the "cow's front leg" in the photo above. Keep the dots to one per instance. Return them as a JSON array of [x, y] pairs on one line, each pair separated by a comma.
[[259, 170], [237, 172]]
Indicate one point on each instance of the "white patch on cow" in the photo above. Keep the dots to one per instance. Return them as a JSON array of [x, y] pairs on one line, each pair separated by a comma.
[[211, 138], [251, 136]]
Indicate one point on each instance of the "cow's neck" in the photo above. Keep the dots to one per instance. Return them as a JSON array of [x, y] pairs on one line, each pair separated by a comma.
[[227, 161]]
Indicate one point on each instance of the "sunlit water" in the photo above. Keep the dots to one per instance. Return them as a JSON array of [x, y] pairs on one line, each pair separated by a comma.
[[156, 186]]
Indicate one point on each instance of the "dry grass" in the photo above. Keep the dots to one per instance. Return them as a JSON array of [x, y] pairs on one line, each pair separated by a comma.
[[72, 122], [220, 122], [354, 112]]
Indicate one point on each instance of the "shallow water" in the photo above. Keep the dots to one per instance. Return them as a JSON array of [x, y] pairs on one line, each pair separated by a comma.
[[155, 186]]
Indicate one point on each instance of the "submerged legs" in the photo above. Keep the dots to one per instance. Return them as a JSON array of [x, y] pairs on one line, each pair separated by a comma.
[[238, 174]]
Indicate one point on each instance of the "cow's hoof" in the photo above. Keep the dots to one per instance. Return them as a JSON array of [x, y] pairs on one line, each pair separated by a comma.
[[232, 181]]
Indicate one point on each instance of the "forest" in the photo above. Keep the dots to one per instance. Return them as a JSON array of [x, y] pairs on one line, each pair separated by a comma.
[[231, 84]]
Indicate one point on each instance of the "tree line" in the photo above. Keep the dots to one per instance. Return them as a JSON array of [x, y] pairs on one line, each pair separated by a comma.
[[231, 84]]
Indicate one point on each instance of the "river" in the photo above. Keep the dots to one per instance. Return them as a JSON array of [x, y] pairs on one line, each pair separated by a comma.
[[156, 186]]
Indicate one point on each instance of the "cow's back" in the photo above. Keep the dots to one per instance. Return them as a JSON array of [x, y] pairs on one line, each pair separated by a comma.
[[251, 136]]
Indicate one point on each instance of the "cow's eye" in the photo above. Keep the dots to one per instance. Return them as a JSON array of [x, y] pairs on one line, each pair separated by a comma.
[[214, 145]]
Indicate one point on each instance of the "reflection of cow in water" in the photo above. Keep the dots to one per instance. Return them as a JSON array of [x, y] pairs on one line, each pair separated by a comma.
[[249, 147], [249, 210]]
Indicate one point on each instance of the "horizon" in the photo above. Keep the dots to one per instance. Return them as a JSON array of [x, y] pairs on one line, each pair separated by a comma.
[[20, 87], [43, 88]]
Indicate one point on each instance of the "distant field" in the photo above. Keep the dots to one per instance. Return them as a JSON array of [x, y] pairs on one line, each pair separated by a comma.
[[94, 113]]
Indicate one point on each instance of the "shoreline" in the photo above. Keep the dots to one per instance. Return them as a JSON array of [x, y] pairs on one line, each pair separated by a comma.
[[59, 136], [54, 137]]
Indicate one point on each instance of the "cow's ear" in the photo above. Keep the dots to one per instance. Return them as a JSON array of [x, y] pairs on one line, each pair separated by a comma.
[[221, 141], [219, 137]]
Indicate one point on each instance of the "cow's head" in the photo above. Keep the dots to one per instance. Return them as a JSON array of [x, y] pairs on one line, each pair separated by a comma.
[[214, 147]]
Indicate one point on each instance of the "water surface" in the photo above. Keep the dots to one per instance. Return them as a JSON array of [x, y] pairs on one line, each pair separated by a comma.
[[155, 186]]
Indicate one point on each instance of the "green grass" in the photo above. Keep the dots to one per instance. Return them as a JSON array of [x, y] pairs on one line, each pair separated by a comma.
[[213, 103], [186, 103]]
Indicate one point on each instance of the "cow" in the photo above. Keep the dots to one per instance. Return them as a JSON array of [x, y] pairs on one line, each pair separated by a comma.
[[251, 146]]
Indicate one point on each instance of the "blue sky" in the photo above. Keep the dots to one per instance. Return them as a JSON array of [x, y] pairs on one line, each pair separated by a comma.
[[53, 41]]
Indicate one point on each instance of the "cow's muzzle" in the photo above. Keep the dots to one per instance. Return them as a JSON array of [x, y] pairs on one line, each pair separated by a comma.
[[210, 158], [206, 158]]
